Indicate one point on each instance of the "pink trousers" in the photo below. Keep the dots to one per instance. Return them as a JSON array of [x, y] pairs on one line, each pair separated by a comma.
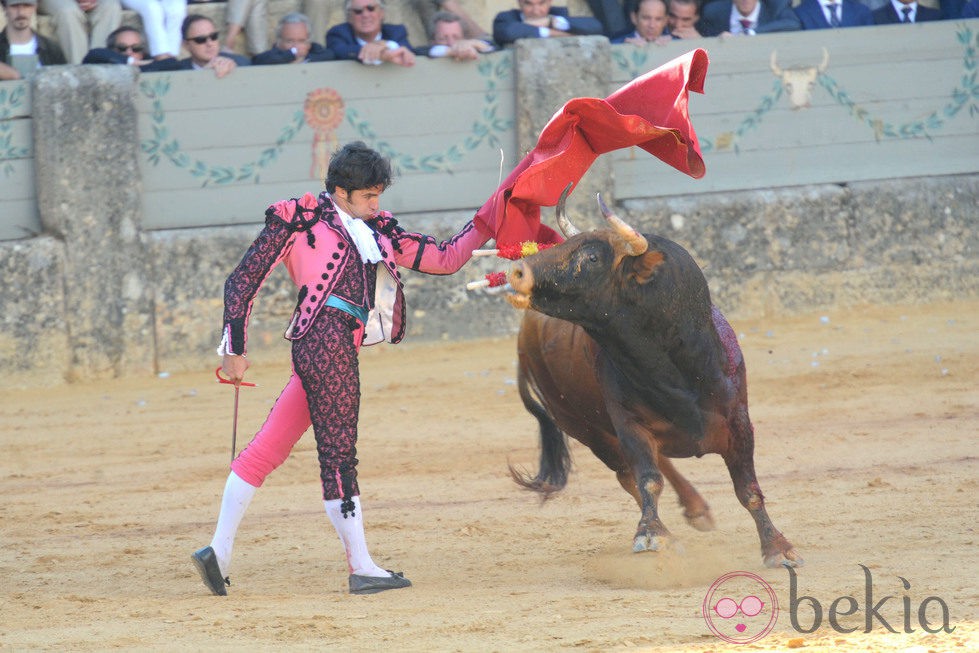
[[323, 391]]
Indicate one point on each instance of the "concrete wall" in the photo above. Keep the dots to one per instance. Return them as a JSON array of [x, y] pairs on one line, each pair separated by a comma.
[[96, 294]]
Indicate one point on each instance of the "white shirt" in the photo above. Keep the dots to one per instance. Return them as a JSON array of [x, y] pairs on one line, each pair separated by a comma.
[[24, 48], [899, 6], [833, 6], [736, 18]]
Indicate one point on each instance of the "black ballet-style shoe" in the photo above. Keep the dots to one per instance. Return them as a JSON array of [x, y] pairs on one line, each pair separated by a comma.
[[374, 584], [207, 564]]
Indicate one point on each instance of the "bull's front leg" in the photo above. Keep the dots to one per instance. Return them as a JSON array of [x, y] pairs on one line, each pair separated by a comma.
[[651, 534], [639, 453]]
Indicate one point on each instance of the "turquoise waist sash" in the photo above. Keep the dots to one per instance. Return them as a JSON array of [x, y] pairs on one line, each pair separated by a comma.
[[358, 312]]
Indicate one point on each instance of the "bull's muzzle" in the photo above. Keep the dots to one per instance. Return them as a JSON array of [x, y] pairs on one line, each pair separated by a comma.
[[521, 279]]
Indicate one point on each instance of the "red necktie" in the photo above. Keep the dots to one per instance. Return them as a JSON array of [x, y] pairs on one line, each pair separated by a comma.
[[745, 25]]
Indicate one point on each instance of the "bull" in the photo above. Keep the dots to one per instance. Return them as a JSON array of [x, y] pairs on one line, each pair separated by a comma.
[[624, 352]]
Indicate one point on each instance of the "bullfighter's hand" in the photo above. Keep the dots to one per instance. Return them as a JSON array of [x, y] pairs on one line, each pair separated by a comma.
[[234, 367]]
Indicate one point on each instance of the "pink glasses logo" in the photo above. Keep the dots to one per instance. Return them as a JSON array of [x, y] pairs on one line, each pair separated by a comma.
[[735, 613]]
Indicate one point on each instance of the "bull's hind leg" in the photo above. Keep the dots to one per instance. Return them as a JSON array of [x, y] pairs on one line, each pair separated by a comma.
[[776, 550]]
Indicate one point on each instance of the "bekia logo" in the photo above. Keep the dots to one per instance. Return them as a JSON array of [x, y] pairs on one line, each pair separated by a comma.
[[846, 614], [740, 607]]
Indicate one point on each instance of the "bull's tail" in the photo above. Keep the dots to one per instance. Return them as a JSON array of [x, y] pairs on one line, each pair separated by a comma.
[[555, 457]]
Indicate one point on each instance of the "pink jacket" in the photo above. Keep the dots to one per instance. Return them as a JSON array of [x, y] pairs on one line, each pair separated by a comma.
[[309, 238]]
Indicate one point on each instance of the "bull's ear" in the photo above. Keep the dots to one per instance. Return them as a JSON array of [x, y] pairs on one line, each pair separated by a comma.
[[644, 266]]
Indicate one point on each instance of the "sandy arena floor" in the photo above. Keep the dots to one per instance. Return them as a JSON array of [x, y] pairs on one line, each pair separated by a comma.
[[866, 425]]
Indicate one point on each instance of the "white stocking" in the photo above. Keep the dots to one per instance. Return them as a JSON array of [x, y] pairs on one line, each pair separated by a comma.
[[351, 532], [237, 495]]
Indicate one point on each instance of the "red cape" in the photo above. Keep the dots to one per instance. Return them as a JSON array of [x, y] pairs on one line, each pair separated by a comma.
[[649, 112]]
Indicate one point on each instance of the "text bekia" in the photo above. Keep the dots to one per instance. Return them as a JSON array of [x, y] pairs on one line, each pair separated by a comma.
[[845, 606]]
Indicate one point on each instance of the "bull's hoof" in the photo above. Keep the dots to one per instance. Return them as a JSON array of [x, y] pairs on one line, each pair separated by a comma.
[[788, 559], [650, 543], [703, 522]]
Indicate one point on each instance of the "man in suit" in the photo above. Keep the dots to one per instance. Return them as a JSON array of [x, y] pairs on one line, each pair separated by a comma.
[[537, 19], [824, 14], [201, 39], [649, 19], [365, 37], [682, 17], [127, 45], [905, 11], [293, 43], [747, 17], [449, 40]]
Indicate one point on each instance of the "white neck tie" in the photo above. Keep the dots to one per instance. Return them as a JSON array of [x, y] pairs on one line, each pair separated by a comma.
[[363, 237]]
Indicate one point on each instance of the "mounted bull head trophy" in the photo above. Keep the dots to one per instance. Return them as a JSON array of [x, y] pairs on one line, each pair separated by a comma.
[[799, 80]]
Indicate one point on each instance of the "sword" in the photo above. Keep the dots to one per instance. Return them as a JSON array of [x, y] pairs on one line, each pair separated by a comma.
[[234, 417]]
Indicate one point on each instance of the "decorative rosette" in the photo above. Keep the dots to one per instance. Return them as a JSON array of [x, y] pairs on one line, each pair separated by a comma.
[[324, 113]]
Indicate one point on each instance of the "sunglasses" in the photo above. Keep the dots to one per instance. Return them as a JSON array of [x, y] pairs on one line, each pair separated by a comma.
[[201, 40], [127, 48], [750, 606], [368, 8]]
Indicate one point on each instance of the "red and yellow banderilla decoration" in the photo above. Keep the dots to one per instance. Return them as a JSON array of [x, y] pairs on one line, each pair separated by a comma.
[[511, 252]]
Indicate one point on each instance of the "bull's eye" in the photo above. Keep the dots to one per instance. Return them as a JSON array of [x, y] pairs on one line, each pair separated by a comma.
[[593, 257]]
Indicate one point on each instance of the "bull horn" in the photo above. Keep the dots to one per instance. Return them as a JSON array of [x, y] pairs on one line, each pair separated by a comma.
[[773, 62], [568, 229], [635, 241], [825, 64]]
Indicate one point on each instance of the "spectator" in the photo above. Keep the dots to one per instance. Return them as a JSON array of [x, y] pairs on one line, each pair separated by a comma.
[[449, 40], [748, 17], [201, 40], [905, 11], [538, 19], [824, 14], [367, 38], [293, 43], [126, 45], [253, 17], [23, 50], [649, 19], [682, 17], [161, 20], [81, 25]]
